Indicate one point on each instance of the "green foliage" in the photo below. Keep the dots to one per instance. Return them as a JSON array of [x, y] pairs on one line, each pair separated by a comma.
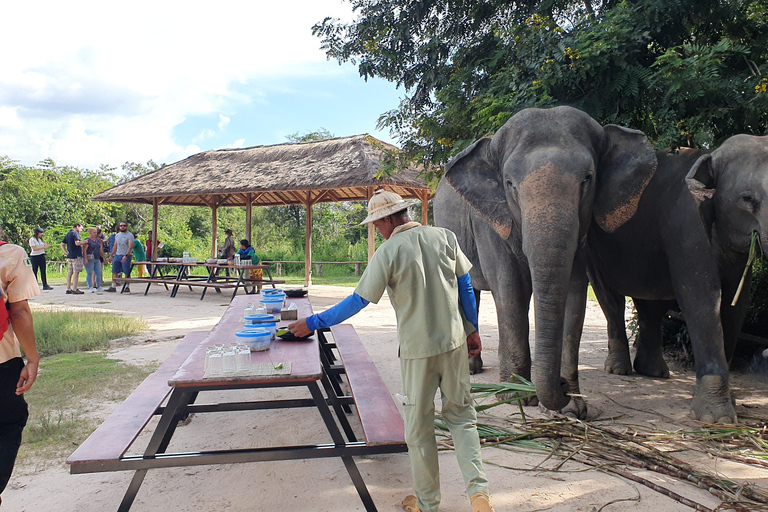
[[684, 72], [69, 331]]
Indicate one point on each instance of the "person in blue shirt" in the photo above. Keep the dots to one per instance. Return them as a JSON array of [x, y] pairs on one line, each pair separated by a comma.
[[246, 252]]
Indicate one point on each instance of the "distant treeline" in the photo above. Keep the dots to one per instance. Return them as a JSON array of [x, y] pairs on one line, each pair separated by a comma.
[[55, 197]]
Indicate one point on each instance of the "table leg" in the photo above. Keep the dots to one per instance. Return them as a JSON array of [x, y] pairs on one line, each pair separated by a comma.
[[240, 273], [349, 463], [211, 277], [179, 276], [172, 413]]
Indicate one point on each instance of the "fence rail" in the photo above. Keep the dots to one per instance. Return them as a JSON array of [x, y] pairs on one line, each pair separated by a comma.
[[318, 265]]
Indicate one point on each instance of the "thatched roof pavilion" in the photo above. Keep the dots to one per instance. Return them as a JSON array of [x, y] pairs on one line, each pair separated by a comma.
[[339, 169]]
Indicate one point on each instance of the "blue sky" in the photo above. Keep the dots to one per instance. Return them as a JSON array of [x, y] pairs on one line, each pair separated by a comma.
[[92, 82]]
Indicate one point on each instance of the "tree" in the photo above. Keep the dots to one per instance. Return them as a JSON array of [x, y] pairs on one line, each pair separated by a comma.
[[687, 72]]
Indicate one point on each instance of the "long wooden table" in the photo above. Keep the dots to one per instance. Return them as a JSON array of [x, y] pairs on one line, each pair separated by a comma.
[[181, 275], [312, 366]]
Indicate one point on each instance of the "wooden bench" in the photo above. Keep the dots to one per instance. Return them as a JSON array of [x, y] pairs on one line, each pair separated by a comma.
[[108, 443], [380, 420]]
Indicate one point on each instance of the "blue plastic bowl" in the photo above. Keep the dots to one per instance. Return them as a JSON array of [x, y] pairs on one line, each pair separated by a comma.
[[257, 339]]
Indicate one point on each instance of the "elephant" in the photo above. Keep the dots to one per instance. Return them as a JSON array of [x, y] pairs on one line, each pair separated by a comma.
[[520, 204], [689, 241]]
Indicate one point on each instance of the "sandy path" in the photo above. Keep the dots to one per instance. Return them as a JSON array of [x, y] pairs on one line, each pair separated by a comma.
[[322, 485]]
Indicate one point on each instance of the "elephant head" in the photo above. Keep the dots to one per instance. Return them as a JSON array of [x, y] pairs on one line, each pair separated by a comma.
[[730, 186], [539, 182]]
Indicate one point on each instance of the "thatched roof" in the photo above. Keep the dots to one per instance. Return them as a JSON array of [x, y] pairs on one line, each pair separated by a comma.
[[340, 169]]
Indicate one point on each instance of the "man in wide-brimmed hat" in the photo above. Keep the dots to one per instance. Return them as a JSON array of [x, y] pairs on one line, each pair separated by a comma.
[[426, 276]]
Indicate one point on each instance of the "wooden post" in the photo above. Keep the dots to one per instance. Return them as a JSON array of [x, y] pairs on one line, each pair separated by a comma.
[[308, 243], [424, 196], [371, 231], [155, 211], [214, 222], [248, 215]]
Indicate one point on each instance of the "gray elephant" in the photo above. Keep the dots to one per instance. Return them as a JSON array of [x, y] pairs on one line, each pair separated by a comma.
[[520, 204], [689, 241]]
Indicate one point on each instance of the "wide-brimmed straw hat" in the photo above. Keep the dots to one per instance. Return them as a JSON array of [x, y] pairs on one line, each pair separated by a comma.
[[385, 203]]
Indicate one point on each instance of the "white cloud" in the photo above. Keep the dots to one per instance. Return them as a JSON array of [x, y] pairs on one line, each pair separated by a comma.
[[237, 144], [94, 82], [223, 122]]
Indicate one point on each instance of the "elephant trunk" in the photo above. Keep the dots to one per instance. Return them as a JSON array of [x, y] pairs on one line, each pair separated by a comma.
[[550, 230]]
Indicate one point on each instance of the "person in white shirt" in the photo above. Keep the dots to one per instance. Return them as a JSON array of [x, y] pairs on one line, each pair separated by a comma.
[[37, 256]]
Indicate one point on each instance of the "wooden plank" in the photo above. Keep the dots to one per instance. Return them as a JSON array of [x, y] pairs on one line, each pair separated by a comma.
[[381, 421], [112, 439]]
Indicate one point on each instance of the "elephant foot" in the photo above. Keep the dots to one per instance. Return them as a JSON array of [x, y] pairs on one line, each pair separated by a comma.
[[712, 401], [651, 364], [576, 408], [618, 363], [475, 364]]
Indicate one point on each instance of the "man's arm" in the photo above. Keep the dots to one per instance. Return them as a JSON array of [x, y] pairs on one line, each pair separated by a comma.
[[21, 320], [332, 316], [469, 307], [129, 251]]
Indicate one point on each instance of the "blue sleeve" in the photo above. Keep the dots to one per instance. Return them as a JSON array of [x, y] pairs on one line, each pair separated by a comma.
[[338, 313], [467, 299]]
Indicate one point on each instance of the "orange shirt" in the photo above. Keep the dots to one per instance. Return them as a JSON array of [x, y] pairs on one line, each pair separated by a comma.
[[17, 283]]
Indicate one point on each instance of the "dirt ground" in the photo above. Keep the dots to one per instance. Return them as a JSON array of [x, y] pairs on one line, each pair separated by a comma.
[[323, 485]]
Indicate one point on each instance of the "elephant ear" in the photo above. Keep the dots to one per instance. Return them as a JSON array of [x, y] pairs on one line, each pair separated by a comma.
[[627, 164], [476, 176], [701, 183]]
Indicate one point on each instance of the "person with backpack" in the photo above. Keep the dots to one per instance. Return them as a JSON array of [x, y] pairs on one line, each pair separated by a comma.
[[17, 285]]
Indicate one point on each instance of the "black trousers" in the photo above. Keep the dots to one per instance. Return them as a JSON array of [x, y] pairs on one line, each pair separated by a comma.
[[13, 418], [38, 262]]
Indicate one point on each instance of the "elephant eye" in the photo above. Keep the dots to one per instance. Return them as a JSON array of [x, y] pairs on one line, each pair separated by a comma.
[[585, 182], [751, 202]]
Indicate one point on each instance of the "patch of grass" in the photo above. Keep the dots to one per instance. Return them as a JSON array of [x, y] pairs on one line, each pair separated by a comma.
[[61, 416], [59, 332]]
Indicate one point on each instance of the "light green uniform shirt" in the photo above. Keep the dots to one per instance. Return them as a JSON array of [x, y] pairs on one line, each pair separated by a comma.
[[418, 267]]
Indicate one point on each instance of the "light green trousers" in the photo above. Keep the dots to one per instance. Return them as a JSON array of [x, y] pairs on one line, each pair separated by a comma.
[[421, 378]]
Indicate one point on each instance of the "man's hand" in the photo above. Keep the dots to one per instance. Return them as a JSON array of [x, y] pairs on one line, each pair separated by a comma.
[[124, 258], [27, 377], [299, 328], [474, 345]]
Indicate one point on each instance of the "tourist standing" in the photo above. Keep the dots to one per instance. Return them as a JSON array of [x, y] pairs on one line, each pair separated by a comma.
[[121, 254], [37, 256], [92, 256], [17, 285], [71, 247]]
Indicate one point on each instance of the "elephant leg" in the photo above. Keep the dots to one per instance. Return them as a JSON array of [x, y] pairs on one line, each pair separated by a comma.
[[476, 362], [699, 296], [612, 303], [649, 358], [733, 316], [574, 323], [512, 295]]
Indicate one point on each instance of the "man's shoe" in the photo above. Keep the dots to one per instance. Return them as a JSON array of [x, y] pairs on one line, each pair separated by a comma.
[[481, 503], [410, 504], [90, 290], [127, 289], [69, 292], [111, 289], [78, 292], [46, 287]]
